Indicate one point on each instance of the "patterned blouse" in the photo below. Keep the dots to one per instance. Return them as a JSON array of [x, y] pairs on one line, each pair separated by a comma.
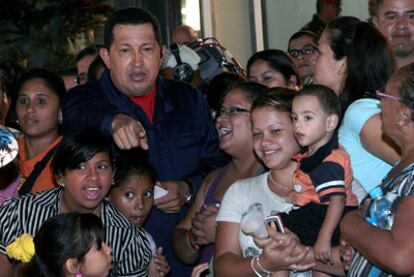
[[395, 190], [130, 246]]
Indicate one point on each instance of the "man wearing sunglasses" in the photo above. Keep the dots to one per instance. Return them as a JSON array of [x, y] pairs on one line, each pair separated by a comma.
[[304, 51]]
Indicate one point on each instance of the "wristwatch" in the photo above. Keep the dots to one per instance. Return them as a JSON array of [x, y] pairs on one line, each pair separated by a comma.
[[190, 194]]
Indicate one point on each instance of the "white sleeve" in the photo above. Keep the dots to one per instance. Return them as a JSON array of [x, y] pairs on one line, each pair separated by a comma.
[[230, 208]]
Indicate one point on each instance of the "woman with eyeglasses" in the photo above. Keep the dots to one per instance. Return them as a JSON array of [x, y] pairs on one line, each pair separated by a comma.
[[381, 252], [38, 108], [194, 236], [355, 61], [273, 68], [303, 48]]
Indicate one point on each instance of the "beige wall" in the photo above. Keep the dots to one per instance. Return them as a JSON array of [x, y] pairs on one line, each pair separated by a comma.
[[230, 24], [285, 17], [231, 27]]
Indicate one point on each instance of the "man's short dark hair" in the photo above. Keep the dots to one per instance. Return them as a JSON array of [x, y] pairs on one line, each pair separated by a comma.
[[304, 33], [130, 16], [321, 3], [92, 50]]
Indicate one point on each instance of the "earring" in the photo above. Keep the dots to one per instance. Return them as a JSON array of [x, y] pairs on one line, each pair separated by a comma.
[[60, 117], [62, 185], [17, 121]]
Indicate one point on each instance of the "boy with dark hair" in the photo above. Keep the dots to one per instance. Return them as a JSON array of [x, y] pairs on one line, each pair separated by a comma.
[[322, 184]]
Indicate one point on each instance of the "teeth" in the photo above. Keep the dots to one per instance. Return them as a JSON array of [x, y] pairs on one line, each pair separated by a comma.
[[225, 130], [91, 189]]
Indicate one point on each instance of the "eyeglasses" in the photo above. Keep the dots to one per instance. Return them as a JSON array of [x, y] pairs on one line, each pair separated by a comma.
[[383, 93], [232, 111], [306, 50]]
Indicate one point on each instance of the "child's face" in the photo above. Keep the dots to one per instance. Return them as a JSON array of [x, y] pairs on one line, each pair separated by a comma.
[[97, 263], [88, 184], [134, 197], [311, 122]]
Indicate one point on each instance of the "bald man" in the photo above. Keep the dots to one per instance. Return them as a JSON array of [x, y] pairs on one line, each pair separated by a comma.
[[184, 34]]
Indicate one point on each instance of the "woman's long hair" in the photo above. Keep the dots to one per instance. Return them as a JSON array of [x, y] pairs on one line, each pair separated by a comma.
[[370, 60]]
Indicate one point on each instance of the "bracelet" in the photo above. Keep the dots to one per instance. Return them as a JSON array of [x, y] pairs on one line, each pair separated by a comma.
[[254, 269], [194, 247], [268, 273], [190, 194]]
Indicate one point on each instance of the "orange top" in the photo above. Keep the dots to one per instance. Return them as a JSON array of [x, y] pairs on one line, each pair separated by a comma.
[[45, 180], [324, 174]]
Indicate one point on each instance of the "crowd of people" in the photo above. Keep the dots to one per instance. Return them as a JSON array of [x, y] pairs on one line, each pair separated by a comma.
[[140, 165]]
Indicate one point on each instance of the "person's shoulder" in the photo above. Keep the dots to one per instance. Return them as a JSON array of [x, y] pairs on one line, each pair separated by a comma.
[[89, 87], [250, 183], [176, 87], [363, 106], [339, 156], [360, 110], [113, 217], [364, 103], [43, 199], [117, 223]]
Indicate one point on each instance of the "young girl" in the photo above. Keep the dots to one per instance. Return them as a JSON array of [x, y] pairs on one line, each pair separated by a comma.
[[133, 195], [69, 244]]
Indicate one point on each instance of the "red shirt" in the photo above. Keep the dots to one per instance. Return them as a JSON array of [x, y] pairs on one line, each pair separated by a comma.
[[147, 102]]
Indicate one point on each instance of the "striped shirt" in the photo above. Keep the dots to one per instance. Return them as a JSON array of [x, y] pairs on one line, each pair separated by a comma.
[[325, 173], [130, 246], [398, 187]]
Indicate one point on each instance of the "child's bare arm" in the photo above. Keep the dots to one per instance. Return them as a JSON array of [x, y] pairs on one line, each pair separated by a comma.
[[333, 216], [158, 265]]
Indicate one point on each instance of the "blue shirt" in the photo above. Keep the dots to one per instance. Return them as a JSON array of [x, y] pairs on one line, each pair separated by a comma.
[[368, 169]]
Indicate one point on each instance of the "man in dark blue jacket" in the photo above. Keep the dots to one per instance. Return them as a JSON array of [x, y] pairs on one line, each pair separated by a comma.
[[137, 108]]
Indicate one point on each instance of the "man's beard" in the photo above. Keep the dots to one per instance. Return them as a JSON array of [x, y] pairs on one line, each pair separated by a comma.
[[403, 50]]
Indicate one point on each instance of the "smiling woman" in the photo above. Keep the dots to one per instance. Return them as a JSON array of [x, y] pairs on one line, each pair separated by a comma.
[[193, 238], [273, 68]]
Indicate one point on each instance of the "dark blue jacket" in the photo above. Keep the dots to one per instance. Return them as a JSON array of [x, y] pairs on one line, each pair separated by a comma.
[[183, 141]]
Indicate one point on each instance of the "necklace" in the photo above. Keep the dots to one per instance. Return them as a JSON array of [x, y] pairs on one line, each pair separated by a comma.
[[277, 184]]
